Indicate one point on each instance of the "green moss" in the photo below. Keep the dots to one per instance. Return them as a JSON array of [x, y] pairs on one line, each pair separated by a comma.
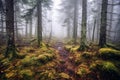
[[82, 70], [5, 61], [107, 70], [109, 54], [71, 48], [47, 75], [11, 74], [86, 55], [28, 61], [37, 60], [1, 57], [43, 58], [77, 59], [26, 74], [64, 76]]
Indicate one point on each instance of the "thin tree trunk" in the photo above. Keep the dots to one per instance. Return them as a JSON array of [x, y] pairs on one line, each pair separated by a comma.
[[2, 22], [26, 32], [39, 32], [68, 28], [102, 41], [75, 22], [31, 26], [50, 37], [16, 23], [111, 17], [94, 30]]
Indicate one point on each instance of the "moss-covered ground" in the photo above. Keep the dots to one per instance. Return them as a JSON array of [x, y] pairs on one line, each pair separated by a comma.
[[61, 62]]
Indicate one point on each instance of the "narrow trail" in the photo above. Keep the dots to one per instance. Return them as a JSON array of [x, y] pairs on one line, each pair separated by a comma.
[[66, 65]]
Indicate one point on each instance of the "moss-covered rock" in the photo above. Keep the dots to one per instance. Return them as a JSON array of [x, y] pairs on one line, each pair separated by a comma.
[[107, 70], [109, 54]]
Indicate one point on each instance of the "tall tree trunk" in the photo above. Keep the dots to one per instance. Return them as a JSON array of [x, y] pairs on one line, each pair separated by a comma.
[[102, 41], [98, 17], [68, 28], [11, 50], [26, 32], [2, 22], [111, 17], [39, 32], [84, 24], [15, 17], [75, 22], [94, 30], [50, 36], [30, 26]]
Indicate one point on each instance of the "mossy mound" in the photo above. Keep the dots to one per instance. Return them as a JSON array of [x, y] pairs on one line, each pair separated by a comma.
[[87, 55], [77, 58], [26, 74], [44, 58], [28, 61], [64, 76], [109, 54], [82, 70], [71, 48], [1, 57], [107, 70], [37, 60], [47, 75]]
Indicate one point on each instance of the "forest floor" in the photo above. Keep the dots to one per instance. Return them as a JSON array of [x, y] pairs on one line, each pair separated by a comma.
[[62, 62]]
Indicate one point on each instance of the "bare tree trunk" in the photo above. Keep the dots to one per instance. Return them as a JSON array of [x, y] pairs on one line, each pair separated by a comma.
[[2, 22], [111, 18], [94, 30], [68, 28], [15, 16], [26, 32], [39, 32], [50, 37], [84, 24], [10, 29], [75, 22], [102, 41], [30, 26]]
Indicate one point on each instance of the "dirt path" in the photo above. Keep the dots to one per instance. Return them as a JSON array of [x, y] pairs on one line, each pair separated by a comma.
[[66, 64]]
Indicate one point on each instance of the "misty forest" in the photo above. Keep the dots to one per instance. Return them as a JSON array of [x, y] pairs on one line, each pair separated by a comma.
[[59, 39]]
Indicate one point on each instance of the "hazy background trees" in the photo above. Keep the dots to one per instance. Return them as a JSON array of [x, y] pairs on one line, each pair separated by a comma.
[[32, 24]]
